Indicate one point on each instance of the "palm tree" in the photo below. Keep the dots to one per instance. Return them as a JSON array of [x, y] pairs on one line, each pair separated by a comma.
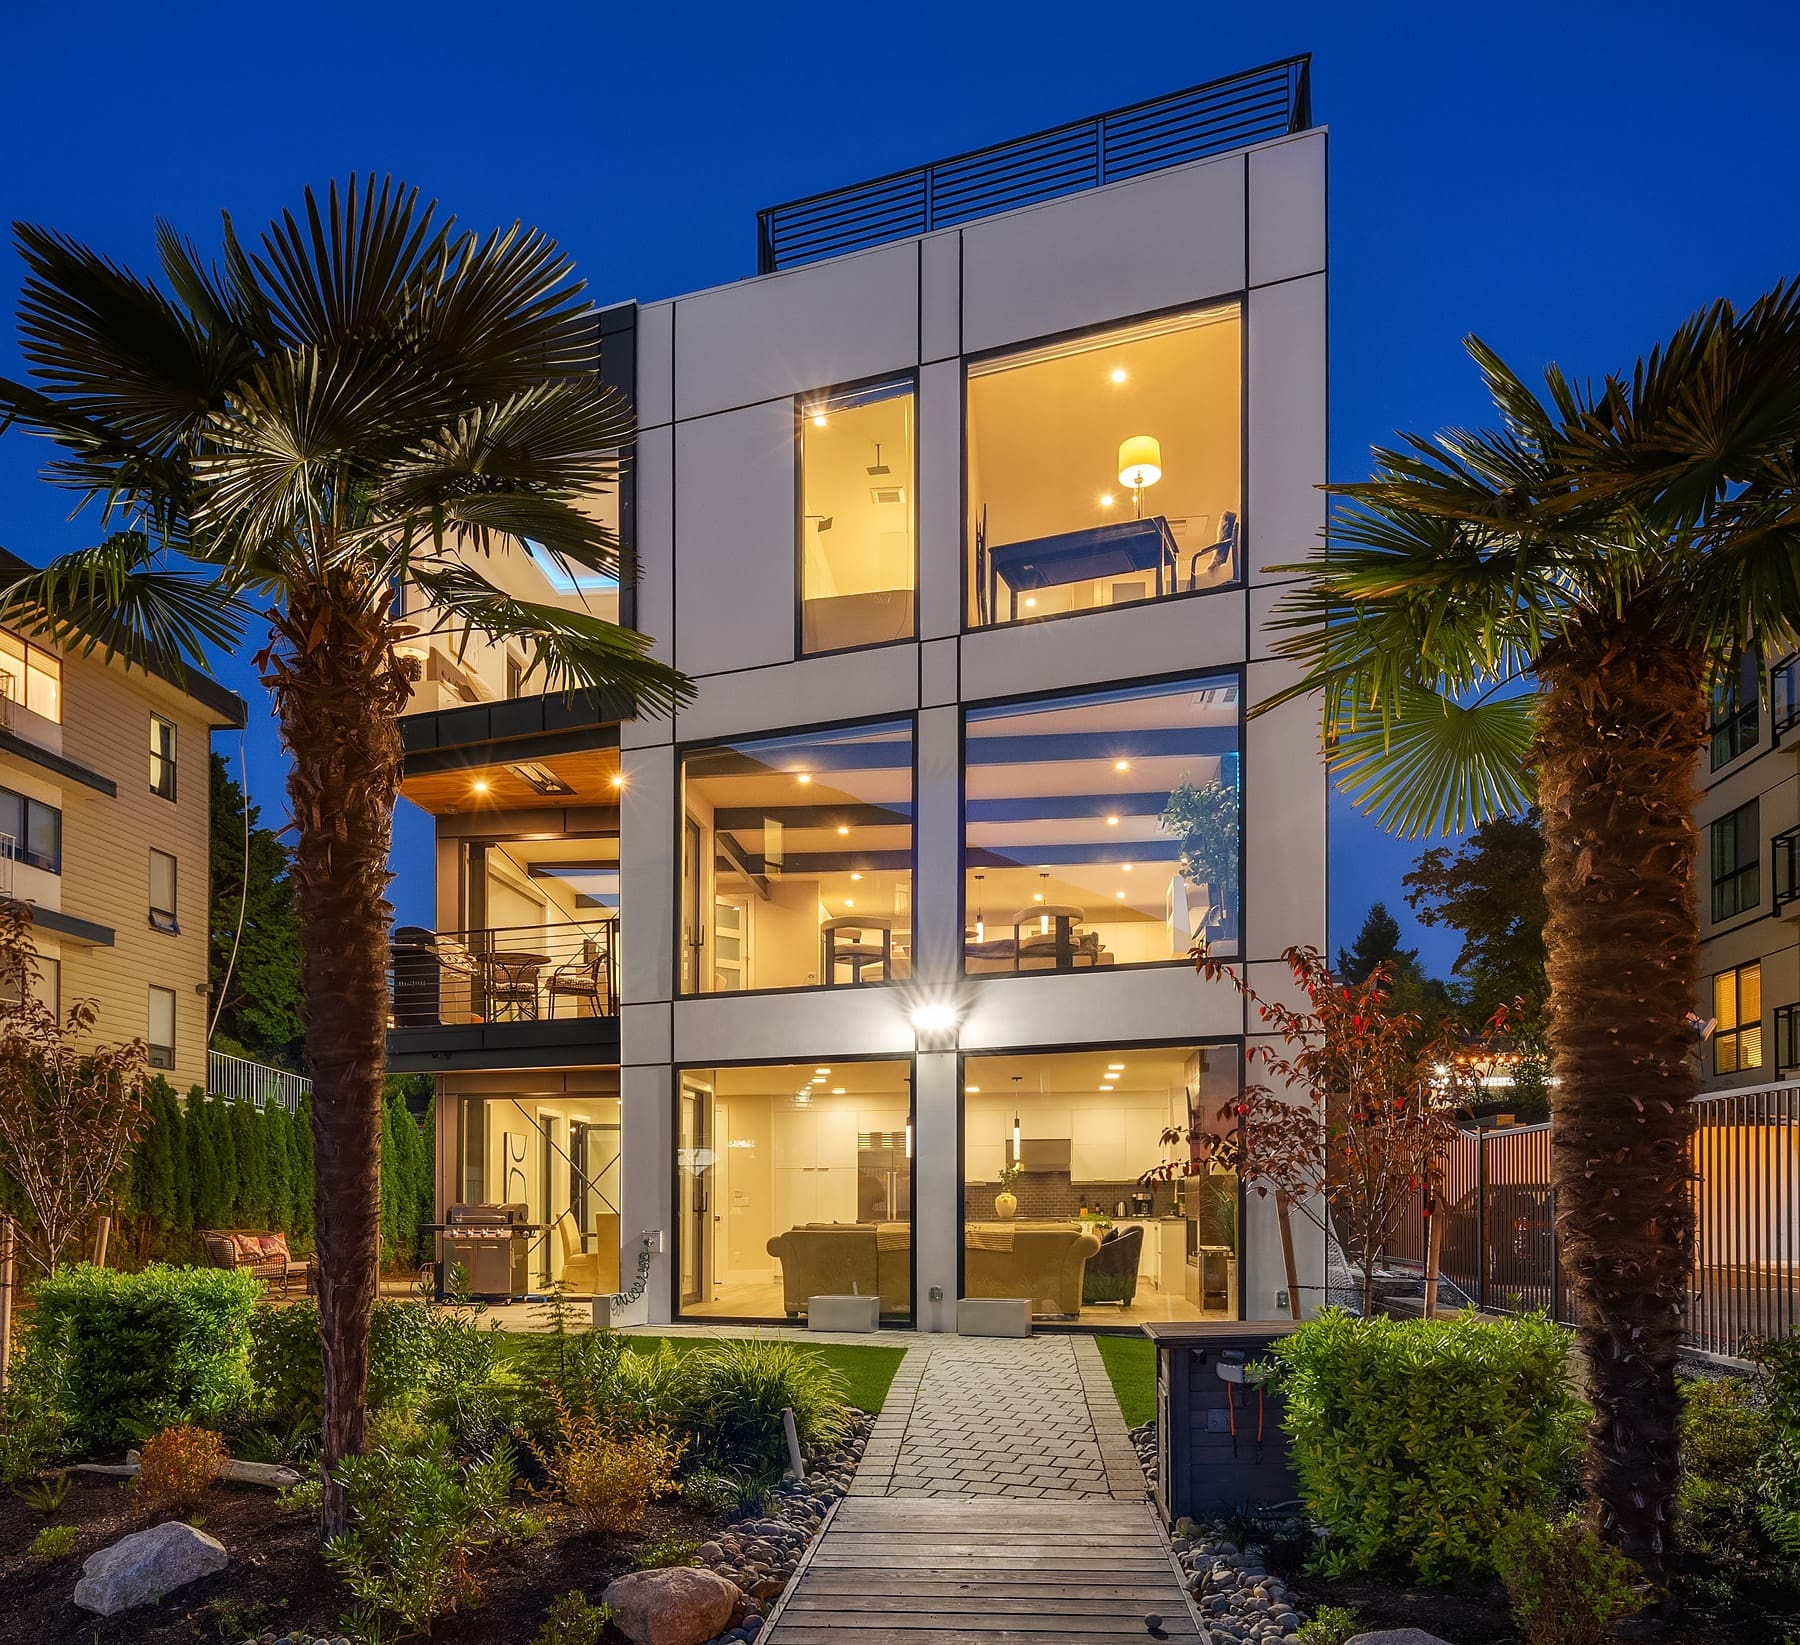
[[1539, 610], [279, 438]]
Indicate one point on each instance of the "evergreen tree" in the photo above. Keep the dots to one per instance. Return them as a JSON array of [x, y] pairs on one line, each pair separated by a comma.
[[305, 1181], [278, 1150], [181, 1148], [155, 1164], [1377, 943], [261, 1009], [253, 1176], [209, 1206], [218, 1118]]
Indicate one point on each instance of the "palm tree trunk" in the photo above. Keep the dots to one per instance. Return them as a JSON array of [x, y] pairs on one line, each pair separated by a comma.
[[338, 691], [1621, 720]]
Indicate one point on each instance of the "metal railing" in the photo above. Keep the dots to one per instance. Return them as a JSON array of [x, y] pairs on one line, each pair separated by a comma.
[[9, 851], [1784, 878], [238, 1079], [1499, 1249], [1787, 1040], [521, 973], [1784, 694], [1233, 112]]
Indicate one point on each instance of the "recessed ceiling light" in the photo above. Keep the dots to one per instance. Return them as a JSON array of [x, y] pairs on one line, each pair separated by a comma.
[[1030, 602], [1118, 374], [1107, 1086], [1112, 822], [1115, 1068], [1121, 765], [843, 828], [1124, 868], [803, 777], [818, 420], [821, 1070], [480, 785], [849, 902], [1106, 500], [856, 876], [837, 1090], [1037, 896], [972, 1090], [1120, 895]]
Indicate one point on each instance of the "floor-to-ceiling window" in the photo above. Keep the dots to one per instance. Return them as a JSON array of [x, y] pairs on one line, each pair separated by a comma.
[[797, 860], [1101, 828], [794, 1181], [1057, 1147], [1106, 469], [556, 1154]]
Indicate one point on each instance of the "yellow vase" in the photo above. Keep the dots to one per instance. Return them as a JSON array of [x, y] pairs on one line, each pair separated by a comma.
[[1006, 1205]]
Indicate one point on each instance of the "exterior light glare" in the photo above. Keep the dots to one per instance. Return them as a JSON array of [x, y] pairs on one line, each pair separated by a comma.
[[803, 777], [933, 1018], [818, 419], [480, 785], [1106, 499], [618, 779]]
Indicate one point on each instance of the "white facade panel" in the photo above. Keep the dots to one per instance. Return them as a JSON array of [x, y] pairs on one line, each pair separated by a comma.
[[940, 296], [647, 806], [940, 499], [1285, 439], [647, 1206], [734, 542], [1104, 1007], [807, 1023], [847, 685], [1284, 795], [1158, 242], [655, 364], [1287, 209], [790, 333], [654, 483]]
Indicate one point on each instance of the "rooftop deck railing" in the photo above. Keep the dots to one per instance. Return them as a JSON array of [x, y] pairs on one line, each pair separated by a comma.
[[1233, 112]]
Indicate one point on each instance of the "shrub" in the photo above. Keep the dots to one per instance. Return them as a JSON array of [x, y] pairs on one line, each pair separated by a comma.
[[727, 1496], [418, 1524], [54, 1542], [288, 1368], [1723, 1433], [574, 1620], [1412, 1439], [176, 1466], [607, 1478], [46, 1496], [1777, 1469], [734, 1392], [667, 1551], [33, 1428], [148, 1349], [1566, 1586], [1329, 1625], [308, 1497]]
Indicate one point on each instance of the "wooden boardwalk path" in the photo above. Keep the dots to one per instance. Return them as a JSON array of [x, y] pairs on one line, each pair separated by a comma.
[[985, 1571]]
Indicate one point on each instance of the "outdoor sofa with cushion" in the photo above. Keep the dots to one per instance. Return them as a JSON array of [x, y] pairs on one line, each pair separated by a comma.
[[265, 1255]]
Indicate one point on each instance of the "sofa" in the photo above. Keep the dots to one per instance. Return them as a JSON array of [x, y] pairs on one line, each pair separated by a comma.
[[1042, 1262], [843, 1259], [263, 1254]]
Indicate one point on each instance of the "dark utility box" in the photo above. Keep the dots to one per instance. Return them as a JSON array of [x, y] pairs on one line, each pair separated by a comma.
[[1204, 1467]]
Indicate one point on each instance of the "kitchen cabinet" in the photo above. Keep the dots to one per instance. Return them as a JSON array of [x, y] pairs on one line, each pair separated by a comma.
[[1097, 1145]]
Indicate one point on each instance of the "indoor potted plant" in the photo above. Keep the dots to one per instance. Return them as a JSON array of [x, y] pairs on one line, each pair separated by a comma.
[[1006, 1204]]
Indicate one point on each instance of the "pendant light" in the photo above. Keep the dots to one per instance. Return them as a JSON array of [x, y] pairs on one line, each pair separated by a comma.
[[980, 924], [1018, 1148], [1044, 918]]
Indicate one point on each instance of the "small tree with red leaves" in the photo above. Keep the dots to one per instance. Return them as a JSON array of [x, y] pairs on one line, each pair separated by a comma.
[[1356, 1116], [70, 1111]]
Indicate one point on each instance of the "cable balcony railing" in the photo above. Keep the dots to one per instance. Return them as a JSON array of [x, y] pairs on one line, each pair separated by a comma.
[[238, 1079], [1784, 851], [506, 974], [1252, 107]]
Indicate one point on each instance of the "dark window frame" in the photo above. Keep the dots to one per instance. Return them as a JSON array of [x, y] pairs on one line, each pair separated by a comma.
[[163, 764], [1731, 1040], [22, 850], [1736, 723], [1737, 883]]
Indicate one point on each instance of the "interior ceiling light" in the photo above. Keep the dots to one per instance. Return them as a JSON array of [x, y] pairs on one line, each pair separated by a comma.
[[878, 467], [803, 777], [849, 902], [540, 777], [1118, 374], [821, 1070], [1120, 895], [837, 1090], [843, 828], [1031, 601], [972, 1090], [1121, 765], [856, 876], [1112, 822], [1106, 499]]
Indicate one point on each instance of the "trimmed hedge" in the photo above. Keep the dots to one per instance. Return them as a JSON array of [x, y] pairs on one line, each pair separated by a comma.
[[288, 1369], [1415, 1439], [137, 1352]]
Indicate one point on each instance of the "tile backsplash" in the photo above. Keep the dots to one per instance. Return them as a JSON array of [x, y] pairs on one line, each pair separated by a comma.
[[1054, 1194]]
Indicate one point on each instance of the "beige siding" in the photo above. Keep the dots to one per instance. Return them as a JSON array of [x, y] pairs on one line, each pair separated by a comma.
[[106, 853]]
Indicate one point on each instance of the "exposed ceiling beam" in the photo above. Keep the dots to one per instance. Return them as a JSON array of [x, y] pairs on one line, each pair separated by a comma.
[[733, 853]]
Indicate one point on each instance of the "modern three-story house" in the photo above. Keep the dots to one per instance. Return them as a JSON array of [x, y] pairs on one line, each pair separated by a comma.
[[869, 973]]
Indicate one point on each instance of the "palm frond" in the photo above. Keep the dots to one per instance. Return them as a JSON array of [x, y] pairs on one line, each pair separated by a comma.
[[572, 648], [1437, 765], [118, 599]]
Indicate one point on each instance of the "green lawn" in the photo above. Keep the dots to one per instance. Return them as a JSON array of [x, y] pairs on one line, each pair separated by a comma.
[[868, 1371], [1131, 1363]]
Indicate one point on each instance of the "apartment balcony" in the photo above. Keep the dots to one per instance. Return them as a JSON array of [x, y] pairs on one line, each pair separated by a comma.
[[1232, 113], [1784, 851], [543, 995]]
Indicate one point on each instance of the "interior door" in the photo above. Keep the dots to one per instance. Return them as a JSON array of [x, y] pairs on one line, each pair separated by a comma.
[[696, 1155], [731, 944], [693, 886]]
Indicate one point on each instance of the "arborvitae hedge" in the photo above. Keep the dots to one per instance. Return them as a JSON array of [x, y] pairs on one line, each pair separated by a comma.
[[208, 1163]]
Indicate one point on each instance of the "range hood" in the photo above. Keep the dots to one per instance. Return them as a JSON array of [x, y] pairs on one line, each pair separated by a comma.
[[1044, 1153]]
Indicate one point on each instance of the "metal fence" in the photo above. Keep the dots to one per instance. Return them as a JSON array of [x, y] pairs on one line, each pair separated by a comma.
[[1224, 114], [238, 1079], [524, 973], [1498, 1212]]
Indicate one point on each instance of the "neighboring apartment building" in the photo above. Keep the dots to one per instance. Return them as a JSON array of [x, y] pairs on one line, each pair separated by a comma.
[[957, 513], [1749, 878], [104, 790]]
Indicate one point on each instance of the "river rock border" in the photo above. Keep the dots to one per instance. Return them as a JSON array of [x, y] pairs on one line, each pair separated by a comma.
[[760, 1552]]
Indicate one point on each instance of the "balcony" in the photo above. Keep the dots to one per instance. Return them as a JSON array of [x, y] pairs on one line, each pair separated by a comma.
[[1785, 851], [1787, 1041], [536, 995], [1253, 107], [1784, 694]]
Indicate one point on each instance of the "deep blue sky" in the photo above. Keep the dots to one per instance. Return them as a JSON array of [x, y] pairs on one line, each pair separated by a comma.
[[1567, 181]]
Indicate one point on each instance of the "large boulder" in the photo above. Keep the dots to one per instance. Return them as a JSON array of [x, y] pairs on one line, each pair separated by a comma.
[[141, 1568], [681, 1605], [1397, 1636]]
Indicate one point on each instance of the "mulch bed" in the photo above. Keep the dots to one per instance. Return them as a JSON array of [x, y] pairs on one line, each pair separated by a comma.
[[277, 1579]]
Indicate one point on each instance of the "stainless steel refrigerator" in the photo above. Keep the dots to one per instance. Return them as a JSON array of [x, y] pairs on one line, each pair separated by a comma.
[[883, 1177]]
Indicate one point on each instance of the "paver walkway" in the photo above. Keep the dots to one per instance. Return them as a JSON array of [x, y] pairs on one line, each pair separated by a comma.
[[998, 1499]]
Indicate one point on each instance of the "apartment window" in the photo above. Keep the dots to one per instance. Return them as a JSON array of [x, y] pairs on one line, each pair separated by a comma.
[[30, 831], [46, 987], [1736, 863], [1101, 828], [797, 860], [1737, 1004], [162, 757], [162, 891], [858, 566], [1106, 470], [162, 1027], [30, 675], [793, 1181], [1735, 709], [1069, 1137]]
